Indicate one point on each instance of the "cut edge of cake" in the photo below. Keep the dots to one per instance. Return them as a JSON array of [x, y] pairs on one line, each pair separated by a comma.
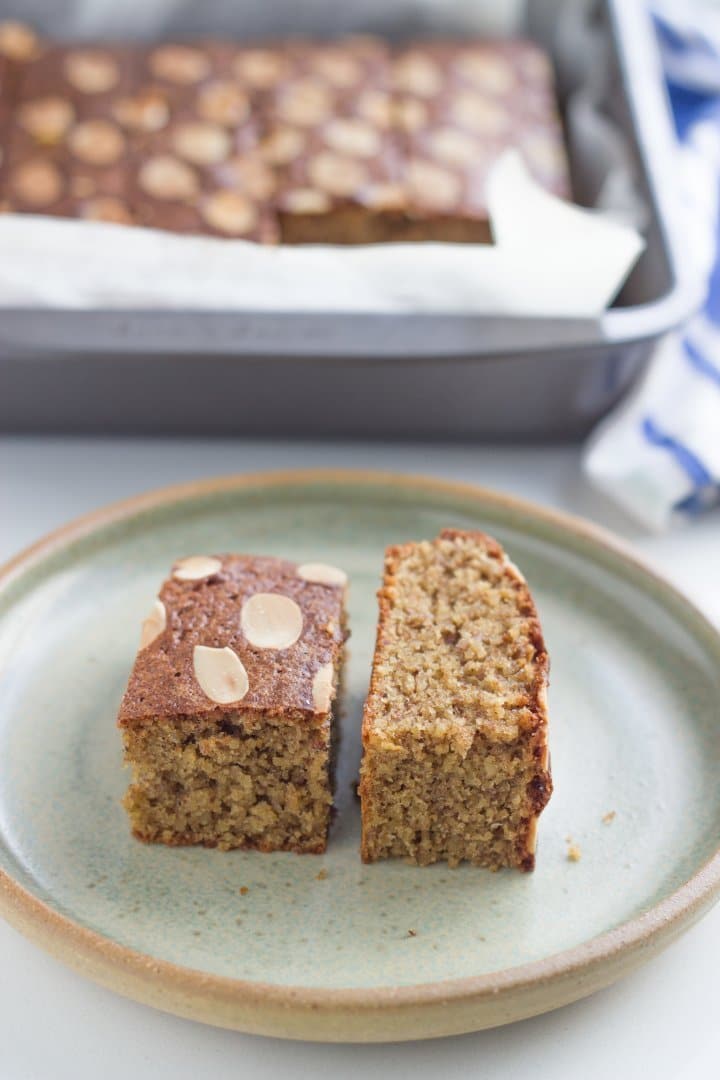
[[434, 791]]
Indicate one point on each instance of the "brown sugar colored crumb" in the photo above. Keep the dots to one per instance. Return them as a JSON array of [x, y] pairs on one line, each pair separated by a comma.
[[227, 719], [455, 761]]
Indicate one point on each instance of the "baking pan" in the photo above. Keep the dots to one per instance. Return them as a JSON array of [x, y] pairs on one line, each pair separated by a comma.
[[366, 375]]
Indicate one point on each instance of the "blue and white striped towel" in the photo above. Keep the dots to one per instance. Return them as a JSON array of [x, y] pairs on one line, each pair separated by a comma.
[[658, 455]]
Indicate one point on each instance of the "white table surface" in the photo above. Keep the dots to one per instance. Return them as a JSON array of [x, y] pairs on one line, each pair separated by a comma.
[[661, 1022]]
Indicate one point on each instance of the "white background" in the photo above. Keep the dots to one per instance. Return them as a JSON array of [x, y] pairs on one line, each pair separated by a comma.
[[660, 1023]]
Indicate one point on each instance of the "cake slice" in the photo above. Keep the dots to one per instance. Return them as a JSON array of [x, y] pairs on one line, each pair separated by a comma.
[[227, 719], [329, 138], [18, 47], [66, 154], [455, 759], [458, 107], [194, 128]]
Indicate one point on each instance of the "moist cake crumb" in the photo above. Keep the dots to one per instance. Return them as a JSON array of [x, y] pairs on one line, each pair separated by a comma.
[[455, 759]]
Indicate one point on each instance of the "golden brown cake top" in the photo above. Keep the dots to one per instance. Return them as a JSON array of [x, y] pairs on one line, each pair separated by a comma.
[[459, 645], [240, 140], [329, 127], [459, 105], [196, 166], [231, 632]]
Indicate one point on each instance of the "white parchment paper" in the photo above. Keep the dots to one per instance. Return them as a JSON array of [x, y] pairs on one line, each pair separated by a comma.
[[550, 258]]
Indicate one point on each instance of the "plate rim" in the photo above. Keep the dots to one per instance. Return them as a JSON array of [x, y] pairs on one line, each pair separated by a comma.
[[419, 1010]]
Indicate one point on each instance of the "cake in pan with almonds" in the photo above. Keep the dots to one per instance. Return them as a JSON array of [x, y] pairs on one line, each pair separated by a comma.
[[296, 141]]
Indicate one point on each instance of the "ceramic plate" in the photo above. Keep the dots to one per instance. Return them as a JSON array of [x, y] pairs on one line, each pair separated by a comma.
[[322, 947]]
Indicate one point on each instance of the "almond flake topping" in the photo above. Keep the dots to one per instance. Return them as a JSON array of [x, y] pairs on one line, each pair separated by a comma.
[[271, 621], [322, 688], [322, 574], [196, 567], [220, 674], [153, 625]]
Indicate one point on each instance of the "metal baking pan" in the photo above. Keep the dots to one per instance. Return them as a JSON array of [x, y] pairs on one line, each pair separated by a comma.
[[365, 375]]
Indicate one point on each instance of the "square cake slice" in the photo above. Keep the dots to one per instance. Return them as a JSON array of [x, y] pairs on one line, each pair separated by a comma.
[[18, 47], [194, 135], [458, 107], [329, 138], [455, 757], [227, 718], [67, 155]]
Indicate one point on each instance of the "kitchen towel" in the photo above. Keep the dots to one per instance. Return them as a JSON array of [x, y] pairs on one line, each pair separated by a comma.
[[658, 454]]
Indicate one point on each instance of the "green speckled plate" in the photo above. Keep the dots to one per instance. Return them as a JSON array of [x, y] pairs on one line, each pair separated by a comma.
[[322, 947]]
